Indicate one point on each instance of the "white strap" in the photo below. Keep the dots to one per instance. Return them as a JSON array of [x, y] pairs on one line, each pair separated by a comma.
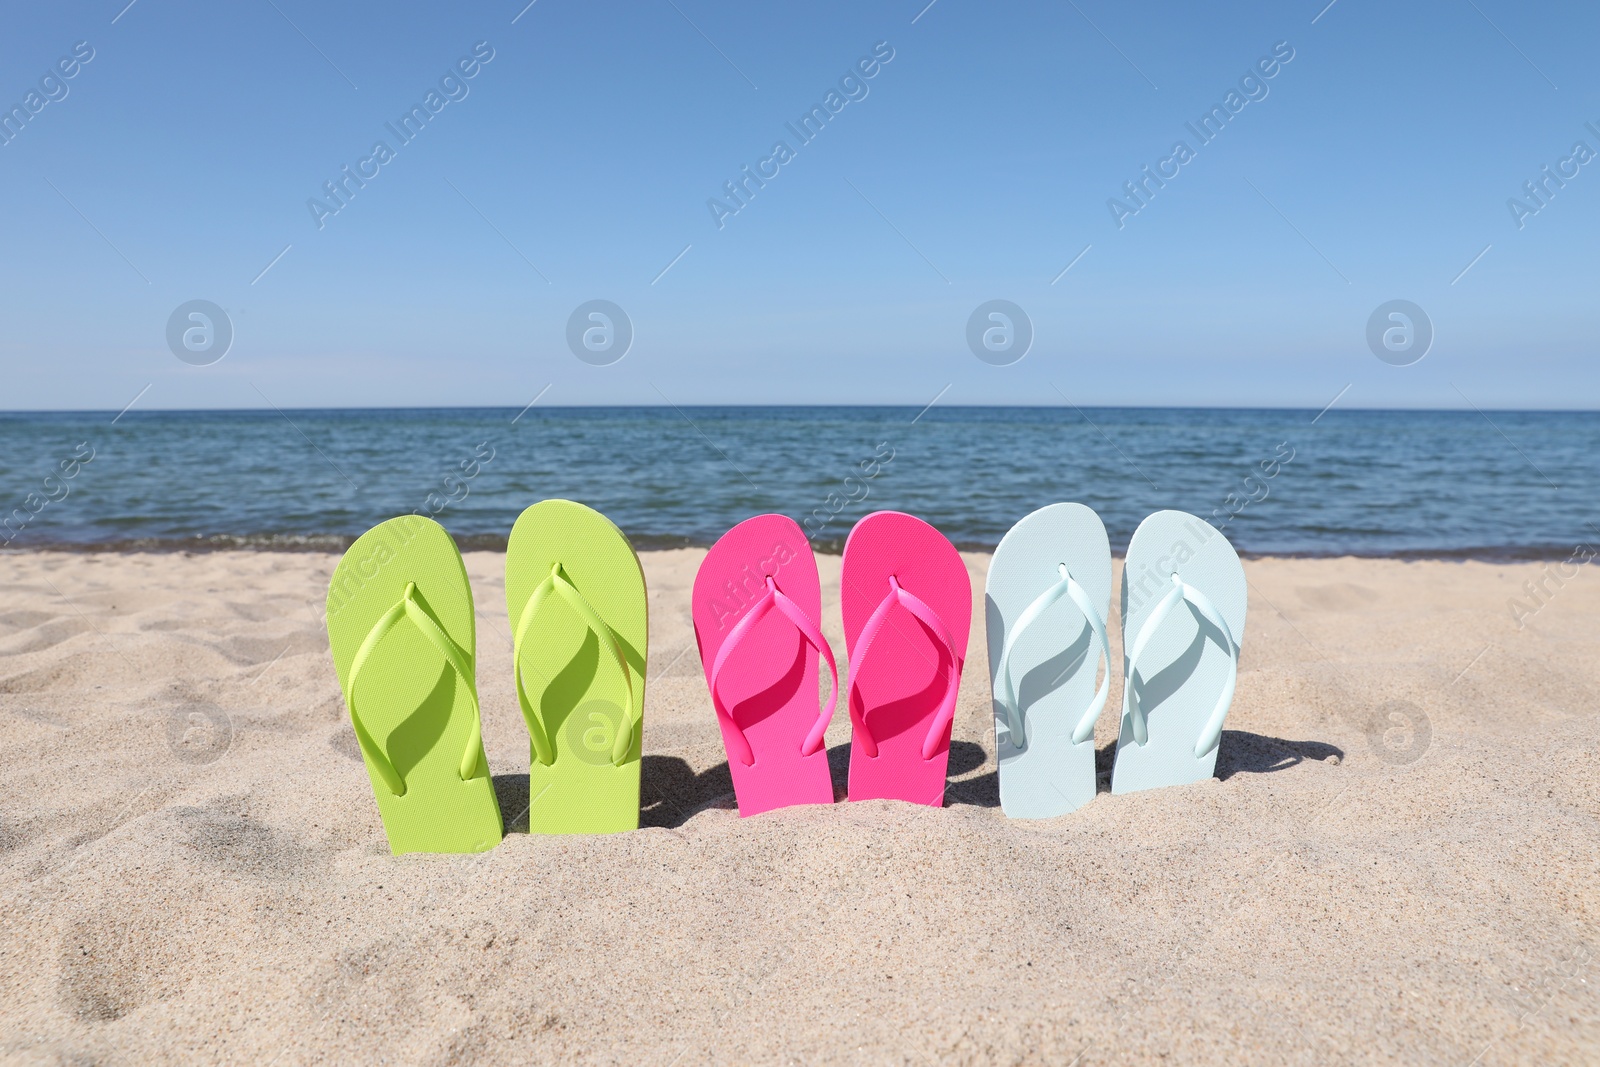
[[1007, 697], [1211, 734]]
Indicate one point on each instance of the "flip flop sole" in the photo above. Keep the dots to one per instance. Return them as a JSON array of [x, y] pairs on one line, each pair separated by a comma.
[[769, 685], [907, 667], [1183, 669], [1054, 664], [569, 676], [412, 703]]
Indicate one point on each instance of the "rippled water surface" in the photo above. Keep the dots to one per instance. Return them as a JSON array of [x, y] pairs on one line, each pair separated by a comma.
[[1364, 482]]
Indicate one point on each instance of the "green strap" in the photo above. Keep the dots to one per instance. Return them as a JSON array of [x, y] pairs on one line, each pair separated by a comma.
[[410, 608], [543, 748]]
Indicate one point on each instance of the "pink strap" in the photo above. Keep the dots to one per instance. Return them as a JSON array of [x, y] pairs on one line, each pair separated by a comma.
[[947, 706], [808, 629]]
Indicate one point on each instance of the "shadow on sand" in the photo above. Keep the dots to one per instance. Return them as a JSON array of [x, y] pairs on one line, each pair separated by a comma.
[[671, 793]]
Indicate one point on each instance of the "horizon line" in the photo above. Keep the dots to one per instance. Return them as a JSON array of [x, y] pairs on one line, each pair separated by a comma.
[[126, 412]]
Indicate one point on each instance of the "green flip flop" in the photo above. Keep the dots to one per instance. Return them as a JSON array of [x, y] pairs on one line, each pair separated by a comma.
[[402, 632], [576, 599]]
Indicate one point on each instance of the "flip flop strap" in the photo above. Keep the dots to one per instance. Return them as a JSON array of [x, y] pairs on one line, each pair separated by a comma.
[[775, 597], [929, 617], [557, 582], [408, 607], [1211, 733], [1069, 587]]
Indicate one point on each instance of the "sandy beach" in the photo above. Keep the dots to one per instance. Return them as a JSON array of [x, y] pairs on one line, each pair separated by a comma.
[[1397, 860]]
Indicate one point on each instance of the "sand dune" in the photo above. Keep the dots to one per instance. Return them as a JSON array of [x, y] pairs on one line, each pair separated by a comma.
[[1398, 859]]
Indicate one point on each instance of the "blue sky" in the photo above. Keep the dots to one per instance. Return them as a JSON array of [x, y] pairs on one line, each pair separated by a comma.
[[577, 164]]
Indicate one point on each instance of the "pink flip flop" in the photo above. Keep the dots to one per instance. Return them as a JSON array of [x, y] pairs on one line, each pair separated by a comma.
[[907, 605], [756, 603]]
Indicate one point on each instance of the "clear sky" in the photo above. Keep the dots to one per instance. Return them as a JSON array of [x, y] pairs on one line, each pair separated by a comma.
[[975, 163]]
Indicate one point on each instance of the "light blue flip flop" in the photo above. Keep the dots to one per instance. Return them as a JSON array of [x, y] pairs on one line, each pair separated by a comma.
[[1183, 608], [1048, 592]]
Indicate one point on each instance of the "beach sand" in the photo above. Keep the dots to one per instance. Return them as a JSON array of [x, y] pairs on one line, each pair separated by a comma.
[[1397, 860]]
